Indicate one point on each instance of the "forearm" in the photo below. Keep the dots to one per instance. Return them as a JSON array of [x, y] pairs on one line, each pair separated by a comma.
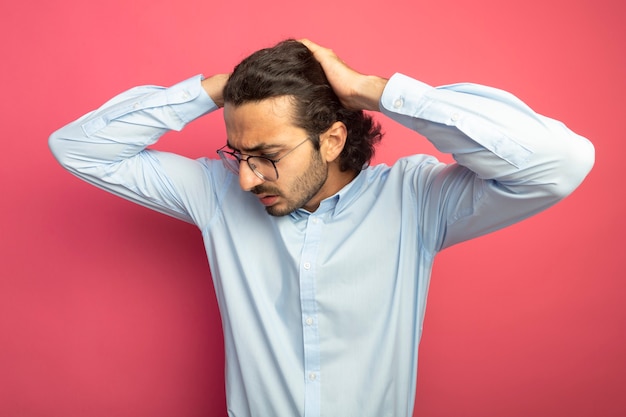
[[492, 133], [367, 93], [214, 88], [128, 123]]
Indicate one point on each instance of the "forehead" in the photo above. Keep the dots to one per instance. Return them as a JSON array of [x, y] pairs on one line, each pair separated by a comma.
[[263, 123]]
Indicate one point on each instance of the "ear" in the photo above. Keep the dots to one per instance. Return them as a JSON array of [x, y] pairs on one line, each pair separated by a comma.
[[332, 141]]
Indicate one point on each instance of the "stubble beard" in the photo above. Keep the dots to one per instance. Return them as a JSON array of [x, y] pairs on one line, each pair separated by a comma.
[[303, 189]]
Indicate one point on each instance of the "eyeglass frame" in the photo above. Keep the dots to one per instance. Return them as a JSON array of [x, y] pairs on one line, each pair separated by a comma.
[[239, 157]]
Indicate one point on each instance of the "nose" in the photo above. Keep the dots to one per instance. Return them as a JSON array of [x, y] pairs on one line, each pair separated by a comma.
[[247, 178]]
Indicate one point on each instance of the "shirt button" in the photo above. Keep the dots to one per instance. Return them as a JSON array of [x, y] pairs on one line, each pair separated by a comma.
[[455, 117], [398, 103], [309, 321], [307, 265], [136, 106], [185, 95], [312, 376], [314, 220]]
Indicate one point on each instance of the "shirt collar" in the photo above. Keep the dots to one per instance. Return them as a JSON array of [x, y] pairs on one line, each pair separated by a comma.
[[338, 202]]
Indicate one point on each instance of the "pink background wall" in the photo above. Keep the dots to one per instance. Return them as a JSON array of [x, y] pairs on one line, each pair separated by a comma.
[[107, 309]]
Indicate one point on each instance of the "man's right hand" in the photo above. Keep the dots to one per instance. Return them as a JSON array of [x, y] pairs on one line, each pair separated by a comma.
[[214, 86]]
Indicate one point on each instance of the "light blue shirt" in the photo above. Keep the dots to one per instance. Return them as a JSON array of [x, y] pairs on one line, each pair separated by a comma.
[[322, 312]]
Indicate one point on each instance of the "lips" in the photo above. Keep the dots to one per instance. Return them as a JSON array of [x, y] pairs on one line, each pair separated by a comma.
[[266, 195], [268, 200]]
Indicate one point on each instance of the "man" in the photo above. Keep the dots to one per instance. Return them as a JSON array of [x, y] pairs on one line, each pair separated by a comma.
[[322, 300]]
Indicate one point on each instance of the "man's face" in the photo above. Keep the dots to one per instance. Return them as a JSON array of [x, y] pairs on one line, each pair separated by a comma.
[[266, 129]]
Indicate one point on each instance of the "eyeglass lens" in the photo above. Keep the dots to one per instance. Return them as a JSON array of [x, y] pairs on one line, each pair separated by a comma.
[[262, 167]]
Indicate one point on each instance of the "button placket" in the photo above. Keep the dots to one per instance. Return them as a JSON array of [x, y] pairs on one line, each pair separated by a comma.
[[308, 304]]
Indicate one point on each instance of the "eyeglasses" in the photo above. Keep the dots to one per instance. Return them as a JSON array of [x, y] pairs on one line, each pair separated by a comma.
[[264, 168]]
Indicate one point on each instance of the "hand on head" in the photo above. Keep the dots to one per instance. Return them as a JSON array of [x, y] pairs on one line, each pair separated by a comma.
[[355, 90]]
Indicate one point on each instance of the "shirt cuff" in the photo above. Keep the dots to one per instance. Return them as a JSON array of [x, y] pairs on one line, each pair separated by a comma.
[[189, 100], [403, 95]]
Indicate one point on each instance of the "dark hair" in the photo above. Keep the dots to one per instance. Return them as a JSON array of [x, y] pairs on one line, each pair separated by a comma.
[[290, 69]]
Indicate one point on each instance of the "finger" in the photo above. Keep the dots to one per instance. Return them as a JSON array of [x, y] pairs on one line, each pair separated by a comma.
[[313, 47]]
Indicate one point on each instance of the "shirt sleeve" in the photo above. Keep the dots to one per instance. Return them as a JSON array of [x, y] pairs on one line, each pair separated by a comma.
[[108, 147], [510, 161]]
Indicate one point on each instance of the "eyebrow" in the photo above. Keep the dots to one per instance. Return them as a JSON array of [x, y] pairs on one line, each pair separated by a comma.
[[257, 148]]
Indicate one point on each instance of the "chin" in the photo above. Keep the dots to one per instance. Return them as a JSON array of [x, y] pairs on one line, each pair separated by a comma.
[[278, 211]]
